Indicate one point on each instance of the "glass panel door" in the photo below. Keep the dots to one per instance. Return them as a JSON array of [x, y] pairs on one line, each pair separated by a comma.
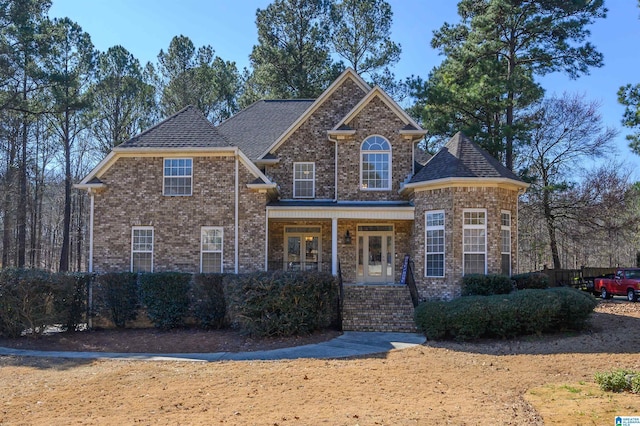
[[376, 254], [303, 251]]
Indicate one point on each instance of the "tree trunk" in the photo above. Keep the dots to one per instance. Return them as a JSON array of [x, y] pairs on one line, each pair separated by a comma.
[[66, 228], [551, 228]]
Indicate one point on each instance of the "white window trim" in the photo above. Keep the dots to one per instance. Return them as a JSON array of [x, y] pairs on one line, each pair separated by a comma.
[[506, 228], [444, 246], [313, 179], [164, 177], [153, 244], [221, 251], [390, 178], [464, 227]]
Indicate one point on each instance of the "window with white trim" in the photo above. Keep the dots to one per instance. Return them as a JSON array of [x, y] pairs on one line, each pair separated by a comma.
[[474, 241], [375, 164], [434, 244], [304, 176], [505, 241], [211, 245], [178, 176], [142, 249]]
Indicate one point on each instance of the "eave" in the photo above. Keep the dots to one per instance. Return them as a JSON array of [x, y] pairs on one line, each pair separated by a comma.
[[462, 182]]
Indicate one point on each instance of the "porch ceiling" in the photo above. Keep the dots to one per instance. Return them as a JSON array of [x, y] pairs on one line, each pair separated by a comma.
[[340, 210]]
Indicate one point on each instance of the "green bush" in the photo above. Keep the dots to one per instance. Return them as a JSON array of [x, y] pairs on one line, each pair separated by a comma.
[[117, 293], [617, 380], [531, 280], [166, 297], [485, 285], [432, 319], [26, 301], [575, 308], [282, 303], [469, 317], [207, 300], [70, 291], [504, 316]]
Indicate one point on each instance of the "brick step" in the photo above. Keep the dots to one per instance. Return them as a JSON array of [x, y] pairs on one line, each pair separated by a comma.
[[377, 308]]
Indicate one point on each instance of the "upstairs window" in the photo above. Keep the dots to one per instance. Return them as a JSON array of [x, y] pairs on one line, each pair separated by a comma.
[[178, 174], [375, 164], [304, 176]]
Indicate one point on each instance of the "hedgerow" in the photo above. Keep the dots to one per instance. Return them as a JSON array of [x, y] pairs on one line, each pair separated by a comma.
[[503, 316]]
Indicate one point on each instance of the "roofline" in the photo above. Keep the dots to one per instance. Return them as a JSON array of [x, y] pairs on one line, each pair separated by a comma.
[[117, 153], [349, 72], [377, 91], [464, 182]]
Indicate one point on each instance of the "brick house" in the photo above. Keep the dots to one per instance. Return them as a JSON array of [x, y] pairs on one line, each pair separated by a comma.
[[334, 184]]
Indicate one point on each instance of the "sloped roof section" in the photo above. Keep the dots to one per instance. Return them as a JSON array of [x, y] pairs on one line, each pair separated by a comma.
[[462, 158], [188, 128], [257, 127]]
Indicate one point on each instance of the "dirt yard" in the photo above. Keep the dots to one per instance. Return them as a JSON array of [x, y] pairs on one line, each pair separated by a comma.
[[531, 381]]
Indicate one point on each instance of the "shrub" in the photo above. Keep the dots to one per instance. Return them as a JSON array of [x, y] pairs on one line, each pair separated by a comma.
[[166, 297], [519, 313], [207, 300], [531, 280], [70, 290], [485, 285], [117, 292], [575, 308], [282, 303], [26, 301], [432, 319], [616, 381]]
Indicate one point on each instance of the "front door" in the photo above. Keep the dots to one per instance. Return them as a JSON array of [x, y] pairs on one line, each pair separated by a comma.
[[303, 249], [376, 254]]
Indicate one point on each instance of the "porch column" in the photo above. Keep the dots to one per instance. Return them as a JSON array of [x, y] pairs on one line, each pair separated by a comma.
[[334, 245]]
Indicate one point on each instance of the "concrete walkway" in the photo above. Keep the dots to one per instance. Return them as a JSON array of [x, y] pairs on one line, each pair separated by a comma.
[[351, 343]]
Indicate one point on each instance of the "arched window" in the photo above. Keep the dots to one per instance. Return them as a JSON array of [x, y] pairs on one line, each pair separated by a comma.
[[375, 164]]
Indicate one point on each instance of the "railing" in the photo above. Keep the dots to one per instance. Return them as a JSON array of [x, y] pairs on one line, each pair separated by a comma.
[[411, 283], [279, 265], [341, 296]]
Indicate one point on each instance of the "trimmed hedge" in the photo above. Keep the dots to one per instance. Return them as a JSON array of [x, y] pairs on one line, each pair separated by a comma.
[[70, 291], [531, 280], [117, 292], [504, 316], [166, 297], [282, 303], [486, 285], [208, 304]]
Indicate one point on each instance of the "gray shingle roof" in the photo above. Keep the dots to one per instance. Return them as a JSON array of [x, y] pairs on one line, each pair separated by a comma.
[[257, 127], [188, 128], [462, 158]]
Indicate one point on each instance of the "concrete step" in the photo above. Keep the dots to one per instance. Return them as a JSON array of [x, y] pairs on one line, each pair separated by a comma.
[[385, 308]]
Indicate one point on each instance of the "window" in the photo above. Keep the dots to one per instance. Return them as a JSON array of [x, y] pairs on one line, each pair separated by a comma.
[[474, 241], [505, 241], [304, 176], [375, 164], [211, 243], [142, 249], [177, 176], [434, 242]]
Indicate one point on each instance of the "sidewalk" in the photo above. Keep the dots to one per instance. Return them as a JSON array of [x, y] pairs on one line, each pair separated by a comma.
[[351, 343]]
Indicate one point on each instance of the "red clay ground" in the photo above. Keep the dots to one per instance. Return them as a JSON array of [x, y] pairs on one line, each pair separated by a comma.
[[534, 381]]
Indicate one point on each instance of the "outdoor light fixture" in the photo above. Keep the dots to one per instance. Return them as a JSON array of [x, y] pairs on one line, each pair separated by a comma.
[[347, 237]]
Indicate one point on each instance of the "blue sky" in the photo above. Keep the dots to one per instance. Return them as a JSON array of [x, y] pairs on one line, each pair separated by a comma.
[[145, 26]]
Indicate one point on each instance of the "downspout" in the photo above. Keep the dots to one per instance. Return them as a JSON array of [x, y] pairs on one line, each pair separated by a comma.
[[266, 240], [335, 169], [236, 244], [90, 285]]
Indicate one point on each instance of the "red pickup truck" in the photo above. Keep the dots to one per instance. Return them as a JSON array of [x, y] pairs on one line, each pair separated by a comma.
[[625, 282]]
